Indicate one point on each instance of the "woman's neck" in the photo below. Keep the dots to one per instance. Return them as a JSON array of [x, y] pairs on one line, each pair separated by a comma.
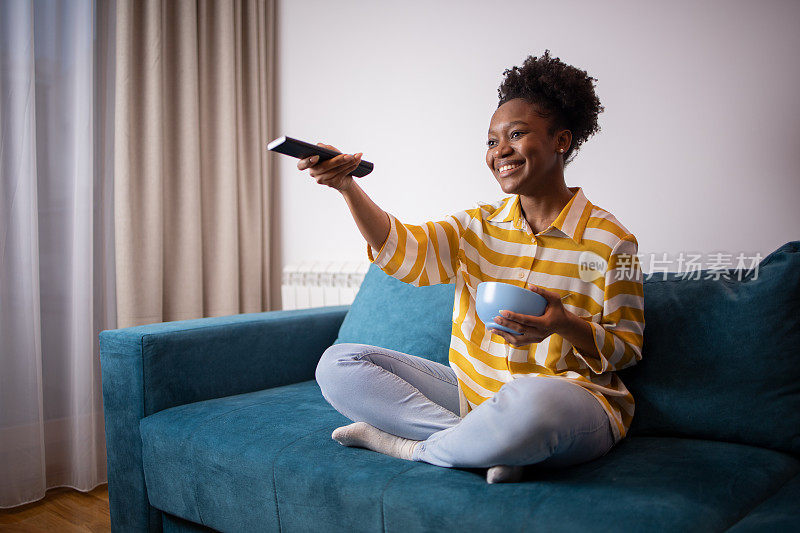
[[542, 209]]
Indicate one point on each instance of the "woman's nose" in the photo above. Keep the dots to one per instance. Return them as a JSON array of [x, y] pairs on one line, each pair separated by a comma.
[[502, 149]]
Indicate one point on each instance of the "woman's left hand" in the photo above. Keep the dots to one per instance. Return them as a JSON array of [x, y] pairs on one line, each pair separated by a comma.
[[534, 329]]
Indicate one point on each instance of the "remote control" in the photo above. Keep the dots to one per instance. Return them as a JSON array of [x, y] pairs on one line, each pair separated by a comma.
[[301, 149]]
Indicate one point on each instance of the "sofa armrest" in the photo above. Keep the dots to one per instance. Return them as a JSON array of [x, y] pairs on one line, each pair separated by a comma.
[[146, 369]]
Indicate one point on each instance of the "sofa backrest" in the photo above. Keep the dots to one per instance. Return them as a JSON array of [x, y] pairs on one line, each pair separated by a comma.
[[389, 313], [721, 355], [721, 358]]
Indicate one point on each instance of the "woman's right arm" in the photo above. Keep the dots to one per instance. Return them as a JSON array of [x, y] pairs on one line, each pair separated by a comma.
[[421, 255], [372, 221]]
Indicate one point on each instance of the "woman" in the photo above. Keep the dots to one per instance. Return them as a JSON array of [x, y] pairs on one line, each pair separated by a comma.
[[549, 395]]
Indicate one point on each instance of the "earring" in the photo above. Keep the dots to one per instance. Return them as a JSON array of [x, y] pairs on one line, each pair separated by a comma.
[[561, 150]]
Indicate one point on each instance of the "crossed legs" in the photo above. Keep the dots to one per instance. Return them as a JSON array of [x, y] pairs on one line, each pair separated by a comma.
[[410, 404]]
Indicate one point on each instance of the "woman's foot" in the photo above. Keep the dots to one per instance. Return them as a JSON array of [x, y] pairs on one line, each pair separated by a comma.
[[363, 435], [504, 474]]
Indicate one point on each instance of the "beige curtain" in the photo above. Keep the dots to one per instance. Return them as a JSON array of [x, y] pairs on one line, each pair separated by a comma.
[[193, 115]]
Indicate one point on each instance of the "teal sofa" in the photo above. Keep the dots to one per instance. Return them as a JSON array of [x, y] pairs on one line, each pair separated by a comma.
[[218, 423]]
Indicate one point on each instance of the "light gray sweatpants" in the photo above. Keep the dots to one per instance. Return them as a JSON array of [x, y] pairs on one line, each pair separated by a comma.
[[531, 419]]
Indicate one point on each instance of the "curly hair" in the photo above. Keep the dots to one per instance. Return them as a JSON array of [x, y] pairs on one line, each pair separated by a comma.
[[559, 91]]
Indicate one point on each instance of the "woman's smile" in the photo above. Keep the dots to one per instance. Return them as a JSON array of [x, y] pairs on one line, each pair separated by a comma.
[[508, 169]]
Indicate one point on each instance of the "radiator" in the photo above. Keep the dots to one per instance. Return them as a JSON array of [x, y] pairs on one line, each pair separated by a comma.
[[318, 284]]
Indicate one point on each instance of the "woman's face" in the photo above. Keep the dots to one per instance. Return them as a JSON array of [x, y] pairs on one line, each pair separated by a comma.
[[522, 156]]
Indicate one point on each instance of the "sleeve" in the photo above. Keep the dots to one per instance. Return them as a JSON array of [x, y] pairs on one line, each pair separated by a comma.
[[620, 333], [421, 255]]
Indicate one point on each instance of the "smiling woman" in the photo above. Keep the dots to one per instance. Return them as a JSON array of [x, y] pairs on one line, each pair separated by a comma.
[[549, 395], [546, 111], [558, 92]]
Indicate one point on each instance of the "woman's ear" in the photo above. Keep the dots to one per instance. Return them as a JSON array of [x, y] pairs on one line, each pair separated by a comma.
[[564, 140]]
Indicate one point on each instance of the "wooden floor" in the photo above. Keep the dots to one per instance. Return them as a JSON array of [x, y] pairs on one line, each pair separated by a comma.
[[62, 509]]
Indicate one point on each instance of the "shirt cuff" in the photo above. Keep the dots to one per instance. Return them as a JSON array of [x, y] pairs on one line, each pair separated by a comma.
[[597, 366], [387, 250]]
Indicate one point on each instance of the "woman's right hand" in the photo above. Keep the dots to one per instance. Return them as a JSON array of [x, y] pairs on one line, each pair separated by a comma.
[[334, 172]]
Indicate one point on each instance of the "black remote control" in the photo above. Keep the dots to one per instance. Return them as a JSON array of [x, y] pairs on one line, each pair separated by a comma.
[[301, 149]]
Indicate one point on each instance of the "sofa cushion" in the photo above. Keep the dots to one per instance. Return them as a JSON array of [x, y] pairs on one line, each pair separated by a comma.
[[780, 512], [389, 313], [265, 461], [721, 358], [211, 462], [643, 484]]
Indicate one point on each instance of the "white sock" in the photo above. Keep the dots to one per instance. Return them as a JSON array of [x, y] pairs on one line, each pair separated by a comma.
[[364, 435], [504, 474]]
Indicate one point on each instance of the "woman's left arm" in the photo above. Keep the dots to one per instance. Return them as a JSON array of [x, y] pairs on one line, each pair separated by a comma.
[[614, 343]]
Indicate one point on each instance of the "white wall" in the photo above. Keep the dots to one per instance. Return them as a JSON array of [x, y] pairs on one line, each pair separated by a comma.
[[700, 143]]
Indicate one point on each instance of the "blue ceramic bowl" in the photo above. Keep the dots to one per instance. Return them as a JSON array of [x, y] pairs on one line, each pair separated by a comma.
[[493, 296]]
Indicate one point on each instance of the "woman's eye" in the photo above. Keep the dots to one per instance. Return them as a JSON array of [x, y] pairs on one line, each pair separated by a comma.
[[492, 142]]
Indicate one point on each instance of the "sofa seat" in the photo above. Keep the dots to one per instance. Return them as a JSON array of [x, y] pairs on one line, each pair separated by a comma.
[[265, 461], [778, 513]]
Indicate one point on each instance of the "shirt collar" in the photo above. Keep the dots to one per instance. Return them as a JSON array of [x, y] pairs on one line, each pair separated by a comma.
[[570, 222]]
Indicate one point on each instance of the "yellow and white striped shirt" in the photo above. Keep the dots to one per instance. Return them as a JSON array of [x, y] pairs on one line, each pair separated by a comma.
[[494, 242]]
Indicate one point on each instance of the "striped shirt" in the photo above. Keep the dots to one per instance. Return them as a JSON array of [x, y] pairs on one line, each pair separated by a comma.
[[585, 253]]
